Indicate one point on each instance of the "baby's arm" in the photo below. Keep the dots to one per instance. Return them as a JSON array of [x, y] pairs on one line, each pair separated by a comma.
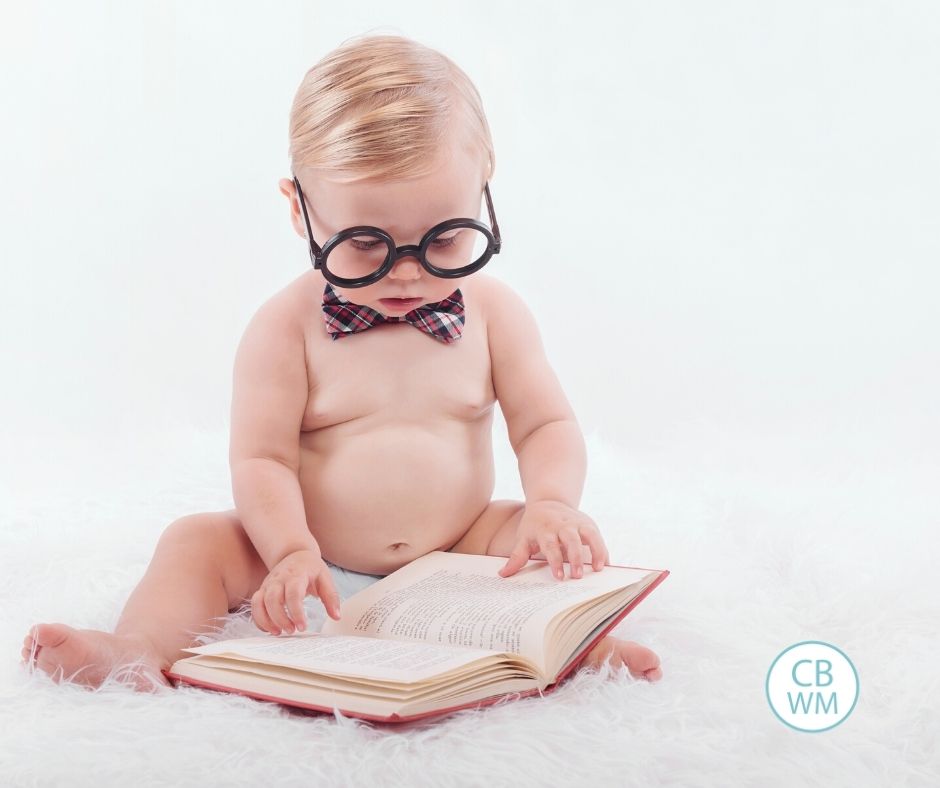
[[547, 440], [269, 394], [542, 426]]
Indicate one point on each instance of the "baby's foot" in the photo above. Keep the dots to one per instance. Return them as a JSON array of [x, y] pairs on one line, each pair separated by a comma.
[[87, 656], [642, 662]]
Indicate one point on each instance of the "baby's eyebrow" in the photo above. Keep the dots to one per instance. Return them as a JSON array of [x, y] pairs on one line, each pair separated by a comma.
[[395, 230]]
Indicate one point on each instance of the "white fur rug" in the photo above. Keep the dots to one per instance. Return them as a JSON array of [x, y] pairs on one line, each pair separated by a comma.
[[762, 556]]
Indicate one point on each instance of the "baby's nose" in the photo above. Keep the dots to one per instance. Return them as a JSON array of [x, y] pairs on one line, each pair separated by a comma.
[[406, 267]]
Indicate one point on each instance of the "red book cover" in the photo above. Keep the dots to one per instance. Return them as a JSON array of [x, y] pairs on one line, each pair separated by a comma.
[[565, 672]]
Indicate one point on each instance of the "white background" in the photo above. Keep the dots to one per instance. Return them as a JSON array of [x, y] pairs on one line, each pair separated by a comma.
[[724, 215], [725, 218]]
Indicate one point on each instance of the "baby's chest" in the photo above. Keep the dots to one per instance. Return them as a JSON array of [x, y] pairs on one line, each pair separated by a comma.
[[397, 373]]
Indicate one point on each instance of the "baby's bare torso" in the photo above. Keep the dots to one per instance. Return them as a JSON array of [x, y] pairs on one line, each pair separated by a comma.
[[396, 455]]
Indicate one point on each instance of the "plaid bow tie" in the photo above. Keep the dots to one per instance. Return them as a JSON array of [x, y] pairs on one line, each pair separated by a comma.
[[443, 320]]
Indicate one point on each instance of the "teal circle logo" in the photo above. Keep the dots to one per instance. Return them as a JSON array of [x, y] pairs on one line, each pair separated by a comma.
[[812, 686]]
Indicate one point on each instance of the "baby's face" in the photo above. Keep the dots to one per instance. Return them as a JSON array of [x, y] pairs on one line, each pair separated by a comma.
[[406, 210]]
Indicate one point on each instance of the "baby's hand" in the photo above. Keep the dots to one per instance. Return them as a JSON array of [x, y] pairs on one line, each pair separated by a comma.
[[556, 530], [289, 581]]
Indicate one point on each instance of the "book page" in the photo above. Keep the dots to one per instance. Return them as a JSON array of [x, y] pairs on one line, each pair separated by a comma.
[[456, 599], [326, 698], [341, 655]]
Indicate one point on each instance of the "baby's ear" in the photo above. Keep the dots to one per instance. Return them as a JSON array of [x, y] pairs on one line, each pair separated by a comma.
[[287, 188]]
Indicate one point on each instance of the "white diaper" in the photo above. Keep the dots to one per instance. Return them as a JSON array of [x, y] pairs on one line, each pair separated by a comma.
[[348, 582]]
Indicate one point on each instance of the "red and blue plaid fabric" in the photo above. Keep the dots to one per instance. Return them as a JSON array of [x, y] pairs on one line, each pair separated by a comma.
[[443, 319]]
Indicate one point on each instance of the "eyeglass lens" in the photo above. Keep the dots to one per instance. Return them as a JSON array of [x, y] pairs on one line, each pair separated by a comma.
[[364, 254]]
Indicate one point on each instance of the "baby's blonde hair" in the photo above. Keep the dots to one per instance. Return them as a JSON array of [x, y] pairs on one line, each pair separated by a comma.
[[382, 107]]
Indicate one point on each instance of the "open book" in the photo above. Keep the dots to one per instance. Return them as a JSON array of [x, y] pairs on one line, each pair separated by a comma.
[[442, 633]]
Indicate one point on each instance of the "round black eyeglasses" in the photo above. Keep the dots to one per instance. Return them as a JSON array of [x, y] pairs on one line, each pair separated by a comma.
[[361, 255]]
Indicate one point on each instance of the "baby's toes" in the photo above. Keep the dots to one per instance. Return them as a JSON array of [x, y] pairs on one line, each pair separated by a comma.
[[30, 646], [645, 661], [642, 662], [52, 635], [648, 659]]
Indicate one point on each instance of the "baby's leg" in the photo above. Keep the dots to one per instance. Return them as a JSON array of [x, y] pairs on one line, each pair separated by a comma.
[[204, 566], [494, 533]]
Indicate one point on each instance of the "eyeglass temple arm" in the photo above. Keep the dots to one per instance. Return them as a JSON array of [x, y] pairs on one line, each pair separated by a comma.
[[489, 208], [303, 207]]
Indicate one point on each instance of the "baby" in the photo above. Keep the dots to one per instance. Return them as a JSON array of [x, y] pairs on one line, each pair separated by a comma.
[[363, 391]]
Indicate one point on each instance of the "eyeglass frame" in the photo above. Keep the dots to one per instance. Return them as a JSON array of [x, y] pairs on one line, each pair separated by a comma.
[[318, 255]]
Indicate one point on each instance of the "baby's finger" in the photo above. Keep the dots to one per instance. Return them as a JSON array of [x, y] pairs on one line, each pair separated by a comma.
[[552, 552], [274, 604], [572, 541], [327, 593], [517, 558], [294, 592], [595, 541], [260, 615]]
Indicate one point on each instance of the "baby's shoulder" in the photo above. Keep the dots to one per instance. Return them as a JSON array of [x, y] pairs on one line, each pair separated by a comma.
[[281, 316], [298, 299], [491, 292], [498, 301]]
